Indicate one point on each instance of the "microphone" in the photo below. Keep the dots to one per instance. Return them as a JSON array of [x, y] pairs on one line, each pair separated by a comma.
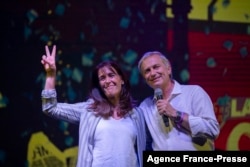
[[159, 95]]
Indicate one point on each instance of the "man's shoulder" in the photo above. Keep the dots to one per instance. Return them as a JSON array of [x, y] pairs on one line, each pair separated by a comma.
[[180, 86], [188, 86], [192, 88], [147, 101], [148, 98]]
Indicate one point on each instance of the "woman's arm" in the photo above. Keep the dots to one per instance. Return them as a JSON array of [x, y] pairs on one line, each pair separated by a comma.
[[49, 64]]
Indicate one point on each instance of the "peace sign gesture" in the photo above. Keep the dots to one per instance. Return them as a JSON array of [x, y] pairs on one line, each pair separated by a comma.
[[49, 60]]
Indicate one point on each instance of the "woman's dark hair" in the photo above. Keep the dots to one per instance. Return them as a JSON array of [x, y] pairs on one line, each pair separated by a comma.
[[101, 105]]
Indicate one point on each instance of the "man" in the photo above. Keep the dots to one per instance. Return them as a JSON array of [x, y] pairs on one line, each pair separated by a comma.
[[191, 122]]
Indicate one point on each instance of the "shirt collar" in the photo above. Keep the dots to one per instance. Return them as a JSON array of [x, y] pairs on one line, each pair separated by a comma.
[[176, 91]]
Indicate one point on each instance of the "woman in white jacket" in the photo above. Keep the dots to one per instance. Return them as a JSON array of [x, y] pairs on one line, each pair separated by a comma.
[[111, 129]]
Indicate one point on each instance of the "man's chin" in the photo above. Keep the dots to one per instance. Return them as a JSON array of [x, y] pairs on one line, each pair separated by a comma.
[[154, 86]]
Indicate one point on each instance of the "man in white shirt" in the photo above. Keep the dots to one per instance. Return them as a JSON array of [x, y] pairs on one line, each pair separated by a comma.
[[191, 123]]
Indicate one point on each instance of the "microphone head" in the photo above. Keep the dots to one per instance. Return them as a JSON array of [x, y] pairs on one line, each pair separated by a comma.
[[158, 94]]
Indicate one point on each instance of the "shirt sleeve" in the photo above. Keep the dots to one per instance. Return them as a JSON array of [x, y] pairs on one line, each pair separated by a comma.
[[63, 111], [202, 121]]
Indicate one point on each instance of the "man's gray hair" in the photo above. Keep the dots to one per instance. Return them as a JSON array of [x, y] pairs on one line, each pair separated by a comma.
[[151, 53]]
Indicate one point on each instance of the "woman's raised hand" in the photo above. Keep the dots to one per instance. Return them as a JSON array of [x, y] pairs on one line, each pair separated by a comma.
[[49, 60]]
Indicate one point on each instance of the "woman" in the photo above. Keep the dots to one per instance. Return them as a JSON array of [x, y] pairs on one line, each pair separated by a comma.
[[111, 130]]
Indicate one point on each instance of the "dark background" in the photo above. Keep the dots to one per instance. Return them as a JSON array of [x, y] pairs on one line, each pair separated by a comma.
[[89, 31]]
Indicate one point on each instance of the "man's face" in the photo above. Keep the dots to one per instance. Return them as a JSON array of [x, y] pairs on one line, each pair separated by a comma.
[[155, 72]]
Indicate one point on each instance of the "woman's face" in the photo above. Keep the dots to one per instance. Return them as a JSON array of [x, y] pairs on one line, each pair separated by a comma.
[[110, 82]]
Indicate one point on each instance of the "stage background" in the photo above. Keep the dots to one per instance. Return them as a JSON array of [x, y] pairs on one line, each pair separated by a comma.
[[207, 42]]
